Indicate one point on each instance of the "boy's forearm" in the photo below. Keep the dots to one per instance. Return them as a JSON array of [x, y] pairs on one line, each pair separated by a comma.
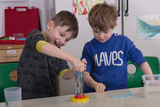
[[68, 75], [89, 81], [146, 69], [53, 51]]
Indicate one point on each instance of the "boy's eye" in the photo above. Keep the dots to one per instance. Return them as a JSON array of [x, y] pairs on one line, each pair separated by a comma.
[[61, 34], [95, 31], [105, 32], [68, 39]]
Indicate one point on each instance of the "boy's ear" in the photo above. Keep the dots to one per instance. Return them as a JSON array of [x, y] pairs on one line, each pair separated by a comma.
[[50, 24], [115, 26]]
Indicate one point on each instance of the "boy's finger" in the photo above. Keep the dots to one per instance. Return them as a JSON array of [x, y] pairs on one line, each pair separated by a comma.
[[102, 87], [82, 68], [85, 67], [78, 69], [84, 61], [97, 87]]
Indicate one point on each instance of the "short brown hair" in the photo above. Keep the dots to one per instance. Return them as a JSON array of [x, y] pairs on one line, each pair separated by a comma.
[[66, 18], [103, 16]]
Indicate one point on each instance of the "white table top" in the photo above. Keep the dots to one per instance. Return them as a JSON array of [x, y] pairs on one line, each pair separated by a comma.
[[97, 100]]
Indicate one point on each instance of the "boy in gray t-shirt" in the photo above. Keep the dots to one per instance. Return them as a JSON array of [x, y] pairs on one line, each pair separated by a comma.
[[42, 59]]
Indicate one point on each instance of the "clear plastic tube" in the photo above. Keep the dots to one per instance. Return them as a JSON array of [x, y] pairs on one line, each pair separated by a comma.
[[79, 84]]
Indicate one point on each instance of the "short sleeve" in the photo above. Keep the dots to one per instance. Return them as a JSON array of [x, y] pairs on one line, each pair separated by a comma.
[[62, 65], [32, 38]]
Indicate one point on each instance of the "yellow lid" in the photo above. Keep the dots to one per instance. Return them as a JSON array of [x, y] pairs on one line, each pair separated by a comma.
[[86, 98]]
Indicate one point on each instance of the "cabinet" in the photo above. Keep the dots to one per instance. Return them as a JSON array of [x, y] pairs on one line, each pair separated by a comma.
[[9, 56]]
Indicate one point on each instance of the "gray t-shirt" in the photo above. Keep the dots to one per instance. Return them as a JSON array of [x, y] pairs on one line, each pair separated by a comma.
[[37, 71]]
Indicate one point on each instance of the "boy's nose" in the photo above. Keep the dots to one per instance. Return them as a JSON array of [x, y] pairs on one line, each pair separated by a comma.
[[63, 42], [101, 35]]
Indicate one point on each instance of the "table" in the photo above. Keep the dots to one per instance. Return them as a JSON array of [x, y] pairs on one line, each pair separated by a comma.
[[97, 100]]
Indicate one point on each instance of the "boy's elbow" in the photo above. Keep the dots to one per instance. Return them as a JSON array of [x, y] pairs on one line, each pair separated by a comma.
[[68, 76]]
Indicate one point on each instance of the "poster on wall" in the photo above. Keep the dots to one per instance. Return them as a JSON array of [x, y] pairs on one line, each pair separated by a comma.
[[148, 27], [82, 7]]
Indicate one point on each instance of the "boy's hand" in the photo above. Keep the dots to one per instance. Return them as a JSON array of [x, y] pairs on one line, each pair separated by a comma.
[[99, 87], [79, 65], [85, 63]]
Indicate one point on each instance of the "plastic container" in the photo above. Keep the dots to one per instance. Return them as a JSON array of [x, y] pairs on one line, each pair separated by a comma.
[[79, 84], [13, 97], [79, 88], [152, 85]]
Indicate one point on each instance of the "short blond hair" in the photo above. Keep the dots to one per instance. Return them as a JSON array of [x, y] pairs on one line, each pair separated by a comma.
[[103, 16]]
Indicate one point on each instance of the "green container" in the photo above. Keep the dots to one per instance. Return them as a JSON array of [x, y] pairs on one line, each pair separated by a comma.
[[5, 80], [134, 80]]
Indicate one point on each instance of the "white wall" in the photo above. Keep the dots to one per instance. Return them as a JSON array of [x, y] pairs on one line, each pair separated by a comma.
[[149, 47]]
